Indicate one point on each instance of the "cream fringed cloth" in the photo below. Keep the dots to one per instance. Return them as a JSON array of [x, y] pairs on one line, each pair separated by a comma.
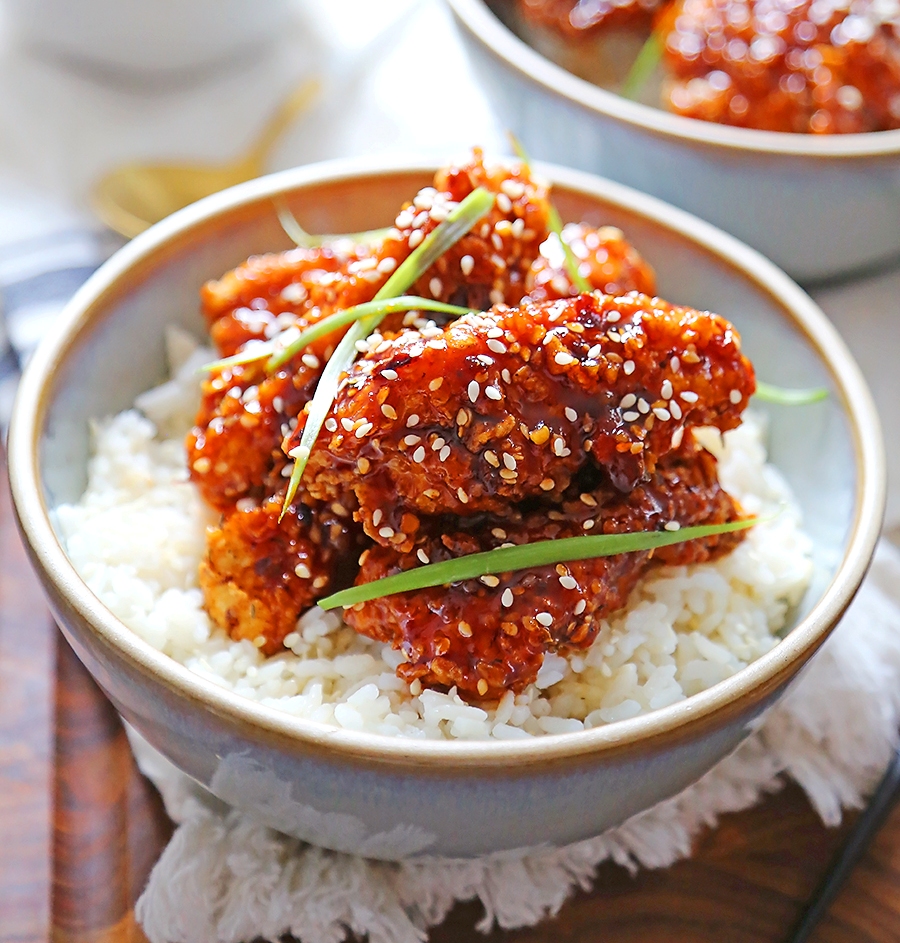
[[225, 878]]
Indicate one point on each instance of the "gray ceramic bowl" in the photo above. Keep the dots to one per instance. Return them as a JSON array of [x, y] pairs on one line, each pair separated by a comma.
[[818, 206], [388, 797]]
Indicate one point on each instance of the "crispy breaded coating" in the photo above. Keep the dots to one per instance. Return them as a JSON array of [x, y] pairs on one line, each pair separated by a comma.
[[606, 259], [490, 635], [258, 576], [510, 404]]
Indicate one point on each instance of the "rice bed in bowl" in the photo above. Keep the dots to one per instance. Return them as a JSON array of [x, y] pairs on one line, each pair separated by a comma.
[[138, 535]]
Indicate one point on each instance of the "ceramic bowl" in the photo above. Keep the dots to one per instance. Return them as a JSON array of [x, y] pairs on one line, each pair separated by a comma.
[[818, 206], [390, 797]]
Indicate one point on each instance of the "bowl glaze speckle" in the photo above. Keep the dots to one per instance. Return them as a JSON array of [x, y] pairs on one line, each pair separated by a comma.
[[817, 205], [391, 797]]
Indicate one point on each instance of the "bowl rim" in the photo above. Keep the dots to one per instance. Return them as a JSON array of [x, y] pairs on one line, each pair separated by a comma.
[[488, 30], [710, 709]]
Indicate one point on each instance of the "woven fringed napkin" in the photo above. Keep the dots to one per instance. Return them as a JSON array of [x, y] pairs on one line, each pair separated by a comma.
[[224, 878]]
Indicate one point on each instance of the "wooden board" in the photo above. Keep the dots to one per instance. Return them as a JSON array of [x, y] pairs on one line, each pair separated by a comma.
[[81, 829]]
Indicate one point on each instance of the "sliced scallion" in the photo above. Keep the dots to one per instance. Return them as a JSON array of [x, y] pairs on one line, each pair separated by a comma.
[[460, 220], [540, 553], [645, 63], [279, 355], [783, 396], [554, 223], [305, 240]]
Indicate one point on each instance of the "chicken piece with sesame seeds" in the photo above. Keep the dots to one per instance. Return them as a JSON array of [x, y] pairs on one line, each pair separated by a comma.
[[511, 403], [490, 635], [806, 66], [259, 575], [606, 259]]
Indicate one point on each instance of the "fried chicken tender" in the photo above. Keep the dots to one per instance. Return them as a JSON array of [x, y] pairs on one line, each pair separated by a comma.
[[258, 576], [490, 635], [786, 66], [511, 403], [606, 259]]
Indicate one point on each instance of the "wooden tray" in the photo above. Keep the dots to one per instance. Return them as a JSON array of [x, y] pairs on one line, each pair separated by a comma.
[[81, 829]]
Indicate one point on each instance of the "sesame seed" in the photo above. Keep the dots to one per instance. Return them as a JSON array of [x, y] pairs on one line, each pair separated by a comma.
[[628, 367], [499, 533], [331, 424], [412, 421], [666, 391], [588, 499], [735, 396], [496, 346], [567, 582], [672, 525], [544, 618], [463, 497], [490, 580], [259, 641], [474, 390], [580, 606], [278, 404], [507, 598], [377, 514], [484, 360], [571, 415], [444, 453], [548, 484], [419, 454], [389, 374], [504, 203], [628, 400], [613, 316], [491, 458], [311, 361], [631, 416], [559, 445], [435, 286], [462, 417], [588, 525], [675, 364], [415, 237], [482, 687], [689, 396], [389, 411], [675, 409], [495, 332], [594, 352], [661, 413], [677, 436], [563, 358], [363, 465], [386, 532], [364, 430], [412, 439], [491, 392], [465, 630], [302, 570], [466, 264], [420, 553], [437, 445], [202, 465], [435, 384], [508, 474], [415, 687], [509, 461], [387, 265]]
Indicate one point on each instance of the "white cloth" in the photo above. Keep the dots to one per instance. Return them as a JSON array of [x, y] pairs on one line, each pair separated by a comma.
[[224, 878]]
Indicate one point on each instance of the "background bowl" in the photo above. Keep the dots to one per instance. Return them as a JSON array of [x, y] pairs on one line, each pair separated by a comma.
[[388, 797], [818, 206]]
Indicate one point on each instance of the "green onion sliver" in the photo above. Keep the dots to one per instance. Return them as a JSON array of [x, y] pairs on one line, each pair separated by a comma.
[[355, 313], [643, 67], [539, 553], [460, 220], [787, 397], [300, 237], [555, 225], [260, 350]]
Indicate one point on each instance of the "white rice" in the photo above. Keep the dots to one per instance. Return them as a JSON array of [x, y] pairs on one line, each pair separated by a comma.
[[137, 537]]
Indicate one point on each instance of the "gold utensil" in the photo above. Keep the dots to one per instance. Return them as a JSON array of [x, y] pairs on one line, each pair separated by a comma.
[[135, 196]]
